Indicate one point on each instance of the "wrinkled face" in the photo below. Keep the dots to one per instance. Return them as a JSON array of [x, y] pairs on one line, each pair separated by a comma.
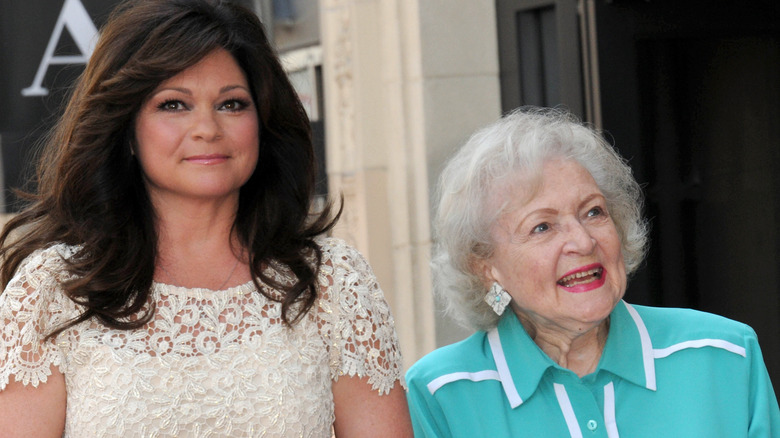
[[557, 251], [197, 135]]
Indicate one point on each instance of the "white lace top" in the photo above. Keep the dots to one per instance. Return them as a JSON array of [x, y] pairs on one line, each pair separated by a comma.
[[210, 363]]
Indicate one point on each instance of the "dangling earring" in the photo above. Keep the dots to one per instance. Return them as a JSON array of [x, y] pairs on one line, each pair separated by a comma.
[[497, 298]]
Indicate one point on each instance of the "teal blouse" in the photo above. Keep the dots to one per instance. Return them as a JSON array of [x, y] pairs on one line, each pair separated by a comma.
[[663, 373]]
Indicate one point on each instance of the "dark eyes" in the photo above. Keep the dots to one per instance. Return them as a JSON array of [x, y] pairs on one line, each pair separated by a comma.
[[235, 105], [171, 105], [232, 105]]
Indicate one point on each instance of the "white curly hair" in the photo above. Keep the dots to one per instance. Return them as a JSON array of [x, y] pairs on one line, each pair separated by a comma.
[[519, 144]]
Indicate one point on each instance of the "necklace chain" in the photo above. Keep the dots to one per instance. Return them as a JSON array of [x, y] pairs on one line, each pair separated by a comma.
[[232, 271]]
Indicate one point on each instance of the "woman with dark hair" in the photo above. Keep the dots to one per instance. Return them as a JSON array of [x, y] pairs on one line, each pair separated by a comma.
[[168, 276]]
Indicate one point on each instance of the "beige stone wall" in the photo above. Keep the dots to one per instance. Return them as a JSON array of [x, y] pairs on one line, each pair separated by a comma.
[[406, 82], [4, 217]]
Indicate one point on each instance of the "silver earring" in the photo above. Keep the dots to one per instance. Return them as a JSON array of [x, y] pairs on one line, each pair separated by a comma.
[[497, 298]]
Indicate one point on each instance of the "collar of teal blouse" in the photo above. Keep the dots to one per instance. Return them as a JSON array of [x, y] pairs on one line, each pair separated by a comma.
[[524, 364], [624, 355]]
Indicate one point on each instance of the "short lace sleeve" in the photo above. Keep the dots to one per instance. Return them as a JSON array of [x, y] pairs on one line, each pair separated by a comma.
[[28, 312], [362, 333]]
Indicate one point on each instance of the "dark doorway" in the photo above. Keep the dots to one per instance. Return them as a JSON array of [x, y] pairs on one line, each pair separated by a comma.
[[689, 91]]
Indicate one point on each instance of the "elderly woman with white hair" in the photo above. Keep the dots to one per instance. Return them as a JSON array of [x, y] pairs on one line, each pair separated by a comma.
[[540, 217]]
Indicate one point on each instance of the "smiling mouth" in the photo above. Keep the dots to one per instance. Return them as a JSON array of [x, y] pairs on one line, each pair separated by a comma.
[[207, 159], [583, 277]]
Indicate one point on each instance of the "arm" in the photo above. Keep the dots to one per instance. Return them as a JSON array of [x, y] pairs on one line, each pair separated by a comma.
[[764, 411], [366, 366], [361, 411], [32, 388], [27, 411]]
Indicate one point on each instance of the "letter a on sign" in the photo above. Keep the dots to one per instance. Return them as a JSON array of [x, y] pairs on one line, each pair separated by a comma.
[[75, 18]]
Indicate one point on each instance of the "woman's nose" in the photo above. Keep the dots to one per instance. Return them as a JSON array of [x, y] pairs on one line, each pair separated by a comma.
[[578, 238], [205, 126]]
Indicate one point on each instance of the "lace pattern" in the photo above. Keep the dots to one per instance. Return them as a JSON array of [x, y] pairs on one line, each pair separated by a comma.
[[210, 363]]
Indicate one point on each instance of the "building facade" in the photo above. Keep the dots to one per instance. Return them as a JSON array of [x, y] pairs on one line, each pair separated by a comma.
[[687, 90]]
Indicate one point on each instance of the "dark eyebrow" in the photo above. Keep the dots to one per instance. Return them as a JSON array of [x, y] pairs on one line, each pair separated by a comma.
[[180, 90], [188, 92], [227, 88]]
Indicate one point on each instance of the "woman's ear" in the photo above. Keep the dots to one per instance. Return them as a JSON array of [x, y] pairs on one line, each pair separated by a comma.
[[484, 270]]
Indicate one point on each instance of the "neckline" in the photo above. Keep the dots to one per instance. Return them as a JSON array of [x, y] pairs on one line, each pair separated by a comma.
[[172, 289]]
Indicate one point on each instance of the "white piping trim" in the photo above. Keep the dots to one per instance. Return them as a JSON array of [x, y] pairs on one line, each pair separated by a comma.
[[647, 347], [609, 411], [478, 376], [503, 369], [568, 412], [699, 343]]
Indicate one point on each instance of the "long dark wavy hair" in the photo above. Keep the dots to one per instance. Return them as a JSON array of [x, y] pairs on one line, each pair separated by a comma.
[[91, 192]]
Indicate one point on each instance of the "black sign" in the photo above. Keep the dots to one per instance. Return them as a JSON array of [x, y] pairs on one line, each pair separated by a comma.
[[44, 45]]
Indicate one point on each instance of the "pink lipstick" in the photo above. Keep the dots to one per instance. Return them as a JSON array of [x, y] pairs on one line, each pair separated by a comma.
[[207, 159]]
